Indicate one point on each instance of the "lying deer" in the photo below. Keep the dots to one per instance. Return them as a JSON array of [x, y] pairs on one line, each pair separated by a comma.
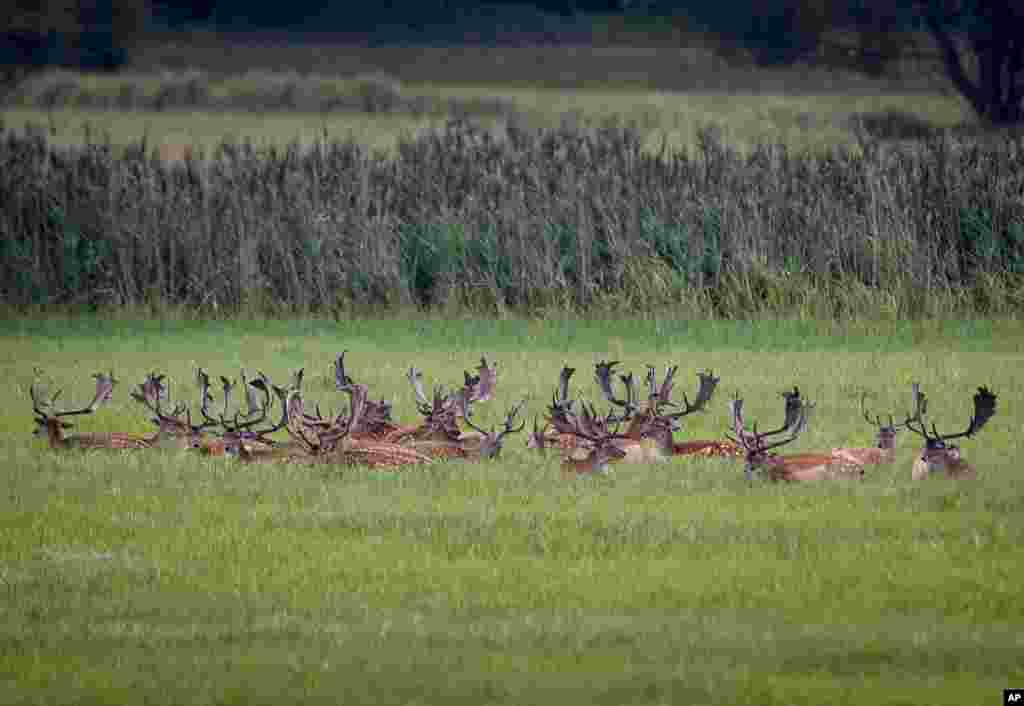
[[796, 467], [53, 425], [255, 413], [650, 420], [885, 451], [442, 415], [483, 444], [941, 459], [602, 446], [329, 442], [172, 430]]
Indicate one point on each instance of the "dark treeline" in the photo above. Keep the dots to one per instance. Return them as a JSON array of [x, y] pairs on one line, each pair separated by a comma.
[[566, 219]]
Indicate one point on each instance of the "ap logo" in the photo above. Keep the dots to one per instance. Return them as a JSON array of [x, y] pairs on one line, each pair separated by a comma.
[[1013, 697]]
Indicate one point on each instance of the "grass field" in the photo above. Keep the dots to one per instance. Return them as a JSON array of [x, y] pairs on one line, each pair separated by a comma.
[[745, 118], [162, 578]]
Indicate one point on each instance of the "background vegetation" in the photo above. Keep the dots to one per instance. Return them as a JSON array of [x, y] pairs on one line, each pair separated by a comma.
[[570, 219]]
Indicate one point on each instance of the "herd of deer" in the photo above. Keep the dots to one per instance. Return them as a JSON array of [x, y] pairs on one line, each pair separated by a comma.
[[634, 430]]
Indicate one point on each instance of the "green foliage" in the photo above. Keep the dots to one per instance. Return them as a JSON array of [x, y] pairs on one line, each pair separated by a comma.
[[989, 248], [430, 253], [82, 259], [671, 242], [539, 223], [21, 285], [566, 249]]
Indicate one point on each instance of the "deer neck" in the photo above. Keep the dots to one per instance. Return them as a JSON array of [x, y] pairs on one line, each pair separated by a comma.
[[55, 434]]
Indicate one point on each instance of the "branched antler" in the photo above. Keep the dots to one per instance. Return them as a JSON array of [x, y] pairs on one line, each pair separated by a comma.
[[708, 383]]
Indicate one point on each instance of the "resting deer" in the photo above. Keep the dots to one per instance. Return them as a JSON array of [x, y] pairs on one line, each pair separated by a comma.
[[941, 459], [53, 425], [255, 413], [443, 414], [375, 423], [172, 430], [329, 443], [885, 452], [797, 467], [605, 447], [652, 421], [557, 430], [241, 437]]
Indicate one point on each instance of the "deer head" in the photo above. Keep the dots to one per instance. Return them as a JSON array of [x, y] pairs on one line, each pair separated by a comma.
[[51, 422], [490, 445], [937, 449], [757, 444]]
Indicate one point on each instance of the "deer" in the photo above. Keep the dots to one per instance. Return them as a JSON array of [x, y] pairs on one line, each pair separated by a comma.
[[329, 443], [651, 421], [603, 446], [218, 446], [557, 429], [939, 458], [241, 438], [172, 430], [884, 453], [375, 423], [52, 424], [790, 468], [443, 413]]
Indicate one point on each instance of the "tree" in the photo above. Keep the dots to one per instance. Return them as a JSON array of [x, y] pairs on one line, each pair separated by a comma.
[[992, 31]]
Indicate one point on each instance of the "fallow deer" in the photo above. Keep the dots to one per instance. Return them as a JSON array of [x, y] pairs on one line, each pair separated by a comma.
[[796, 467], [941, 459], [329, 443], [52, 424], [885, 452], [172, 430], [650, 420], [557, 430]]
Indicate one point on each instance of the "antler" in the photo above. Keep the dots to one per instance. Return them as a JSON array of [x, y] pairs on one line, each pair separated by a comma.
[[415, 378], [984, 409], [603, 376], [242, 426], [920, 404], [708, 383], [481, 387], [754, 442], [341, 379], [563, 387], [490, 446], [104, 392]]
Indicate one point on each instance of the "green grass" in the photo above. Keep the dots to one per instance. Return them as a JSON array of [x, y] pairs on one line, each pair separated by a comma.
[[164, 578]]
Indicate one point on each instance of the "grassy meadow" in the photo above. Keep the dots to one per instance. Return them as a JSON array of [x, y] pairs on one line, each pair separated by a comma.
[[165, 578], [669, 120]]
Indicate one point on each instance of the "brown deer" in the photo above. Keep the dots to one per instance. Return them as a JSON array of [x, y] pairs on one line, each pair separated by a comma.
[[650, 420], [218, 446], [557, 430], [328, 442], [173, 431], [796, 467], [941, 459], [885, 451], [52, 423], [442, 416], [596, 461], [603, 447], [241, 438]]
